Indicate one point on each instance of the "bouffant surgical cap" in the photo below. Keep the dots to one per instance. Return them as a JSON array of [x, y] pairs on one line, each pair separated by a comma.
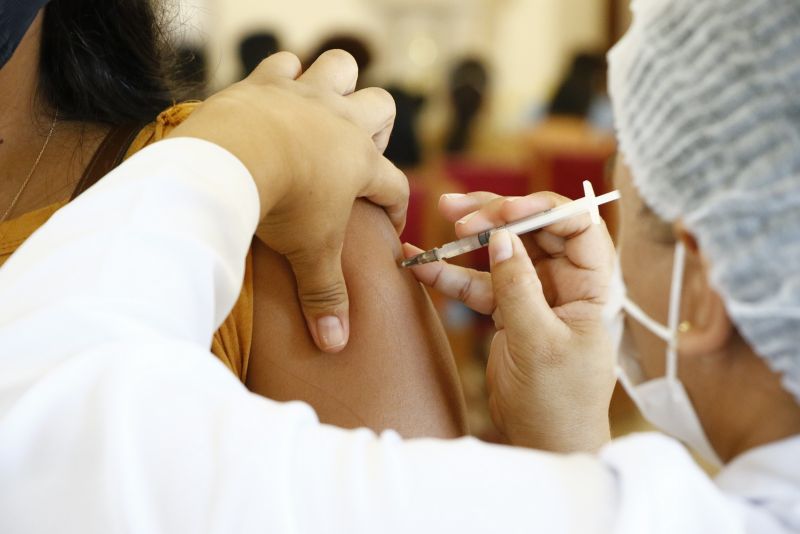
[[706, 98]]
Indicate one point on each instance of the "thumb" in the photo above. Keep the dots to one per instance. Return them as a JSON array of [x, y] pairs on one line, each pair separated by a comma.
[[323, 297], [525, 313]]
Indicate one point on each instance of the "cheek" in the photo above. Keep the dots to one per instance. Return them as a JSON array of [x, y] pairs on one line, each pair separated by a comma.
[[646, 269]]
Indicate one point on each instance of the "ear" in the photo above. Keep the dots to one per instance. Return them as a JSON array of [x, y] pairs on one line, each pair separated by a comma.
[[709, 328]]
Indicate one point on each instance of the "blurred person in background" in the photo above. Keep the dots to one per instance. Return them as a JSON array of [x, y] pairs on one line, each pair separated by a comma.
[[575, 138], [404, 148], [87, 85], [254, 47], [582, 92], [467, 85]]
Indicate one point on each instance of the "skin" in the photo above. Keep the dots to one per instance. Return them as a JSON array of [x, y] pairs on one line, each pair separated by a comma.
[[730, 386], [550, 370], [398, 370], [24, 125]]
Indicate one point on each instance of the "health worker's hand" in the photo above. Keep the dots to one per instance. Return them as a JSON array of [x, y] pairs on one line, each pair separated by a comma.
[[550, 373], [313, 146]]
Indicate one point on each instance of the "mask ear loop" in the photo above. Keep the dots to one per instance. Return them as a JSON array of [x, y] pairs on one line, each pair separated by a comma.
[[673, 320], [668, 333], [633, 309]]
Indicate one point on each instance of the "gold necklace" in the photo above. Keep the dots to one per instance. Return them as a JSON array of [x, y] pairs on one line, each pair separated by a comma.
[[33, 169]]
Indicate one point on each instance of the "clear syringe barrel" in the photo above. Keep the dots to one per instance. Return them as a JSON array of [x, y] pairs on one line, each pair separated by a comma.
[[588, 204]]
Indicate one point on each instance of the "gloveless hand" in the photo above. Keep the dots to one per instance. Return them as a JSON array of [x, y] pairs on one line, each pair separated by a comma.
[[313, 146], [550, 372]]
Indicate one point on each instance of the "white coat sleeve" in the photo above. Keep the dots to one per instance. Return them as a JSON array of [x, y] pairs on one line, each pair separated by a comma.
[[114, 416]]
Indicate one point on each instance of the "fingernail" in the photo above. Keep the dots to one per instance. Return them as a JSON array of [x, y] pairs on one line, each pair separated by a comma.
[[500, 248], [466, 218], [454, 196], [330, 332]]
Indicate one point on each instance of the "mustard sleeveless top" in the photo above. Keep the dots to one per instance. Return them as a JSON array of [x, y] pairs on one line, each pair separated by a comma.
[[232, 341]]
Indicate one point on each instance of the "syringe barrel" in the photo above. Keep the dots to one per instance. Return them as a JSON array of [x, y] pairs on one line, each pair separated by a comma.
[[546, 218], [462, 246]]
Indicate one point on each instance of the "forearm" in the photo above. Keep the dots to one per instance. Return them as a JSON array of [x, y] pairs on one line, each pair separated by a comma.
[[163, 442]]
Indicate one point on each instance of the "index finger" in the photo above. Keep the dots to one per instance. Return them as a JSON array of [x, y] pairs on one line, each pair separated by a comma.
[[585, 244], [514, 209], [542, 201]]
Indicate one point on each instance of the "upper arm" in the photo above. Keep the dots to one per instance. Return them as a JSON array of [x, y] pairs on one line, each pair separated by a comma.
[[397, 370]]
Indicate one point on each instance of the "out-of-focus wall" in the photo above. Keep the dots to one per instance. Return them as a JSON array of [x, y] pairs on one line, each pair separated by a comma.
[[534, 43], [299, 23], [528, 43]]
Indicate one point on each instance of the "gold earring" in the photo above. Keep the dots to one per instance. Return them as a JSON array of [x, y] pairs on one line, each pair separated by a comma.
[[684, 327]]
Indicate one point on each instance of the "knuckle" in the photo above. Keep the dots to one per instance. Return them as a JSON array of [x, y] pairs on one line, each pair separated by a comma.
[[403, 189], [278, 58], [558, 200], [285, 56], [483, 197], [513, 284], [384, 99], [496, 202], [323, 297], [314, 258], [366, 148], [465, 291], [340, 56]]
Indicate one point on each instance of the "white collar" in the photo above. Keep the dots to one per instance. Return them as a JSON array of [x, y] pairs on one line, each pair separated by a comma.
[[767, 477]]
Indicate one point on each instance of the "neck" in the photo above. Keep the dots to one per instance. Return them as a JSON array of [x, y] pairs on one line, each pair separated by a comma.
[[750, 407], [25, 123]]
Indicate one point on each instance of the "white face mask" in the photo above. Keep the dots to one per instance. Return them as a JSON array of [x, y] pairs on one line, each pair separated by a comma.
[[662, 401]]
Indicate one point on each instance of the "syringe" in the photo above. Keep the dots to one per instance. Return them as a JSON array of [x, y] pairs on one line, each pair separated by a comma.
[[588, 204]]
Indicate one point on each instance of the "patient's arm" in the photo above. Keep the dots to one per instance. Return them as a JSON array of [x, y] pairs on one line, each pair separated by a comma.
[[397, 370]]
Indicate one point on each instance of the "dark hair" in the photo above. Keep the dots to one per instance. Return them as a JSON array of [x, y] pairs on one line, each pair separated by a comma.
[[191, 68], [467, 87], [574, 96], [254, 47], [104, 61]]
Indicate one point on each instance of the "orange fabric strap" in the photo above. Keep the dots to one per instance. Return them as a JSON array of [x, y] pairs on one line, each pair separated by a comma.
[[109, 154]]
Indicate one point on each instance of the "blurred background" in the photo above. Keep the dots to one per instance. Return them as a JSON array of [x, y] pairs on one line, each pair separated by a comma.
[[498, 95]]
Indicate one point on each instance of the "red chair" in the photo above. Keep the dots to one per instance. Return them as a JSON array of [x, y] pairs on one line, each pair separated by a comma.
[[414, 231], [568, 172], [502, 180], [473, 176]]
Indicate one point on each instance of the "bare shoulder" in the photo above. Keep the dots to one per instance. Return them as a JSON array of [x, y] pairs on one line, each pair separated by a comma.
[[397, 372]]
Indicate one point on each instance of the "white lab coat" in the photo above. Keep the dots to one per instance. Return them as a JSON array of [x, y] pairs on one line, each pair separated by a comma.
[[114, 417]]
